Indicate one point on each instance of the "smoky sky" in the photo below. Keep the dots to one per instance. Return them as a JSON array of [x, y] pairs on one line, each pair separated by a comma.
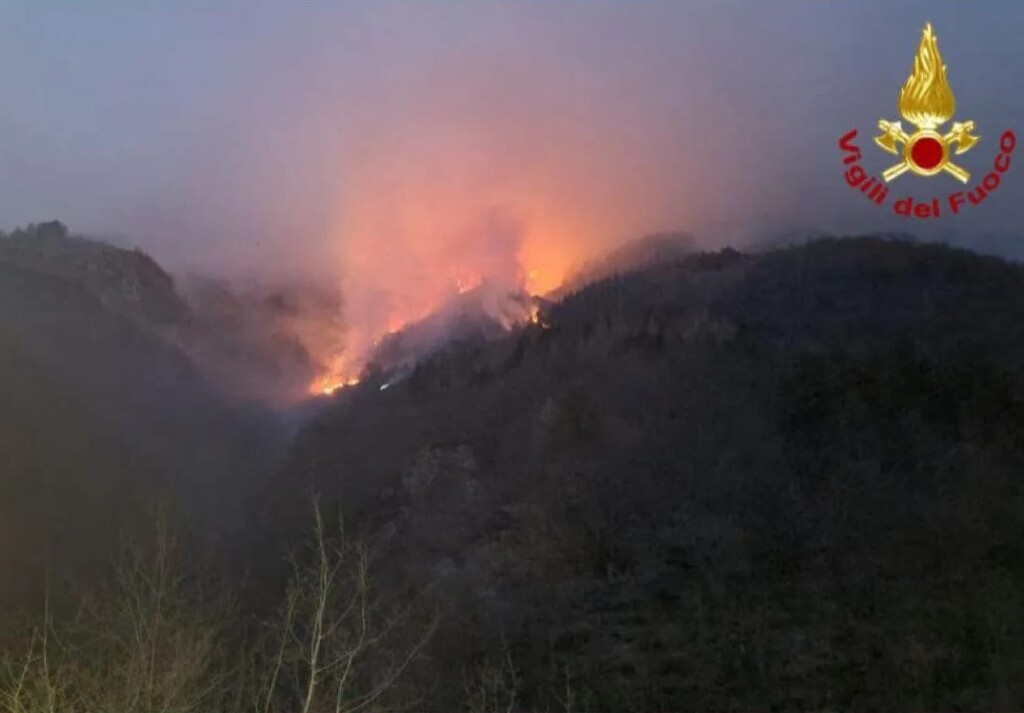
[[380, 137]]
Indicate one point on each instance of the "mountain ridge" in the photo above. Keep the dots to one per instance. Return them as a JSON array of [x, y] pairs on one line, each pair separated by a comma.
[[759, 447]]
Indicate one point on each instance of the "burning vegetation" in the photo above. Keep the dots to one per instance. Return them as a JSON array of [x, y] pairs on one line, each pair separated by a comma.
[[493, 299], [477, 305]]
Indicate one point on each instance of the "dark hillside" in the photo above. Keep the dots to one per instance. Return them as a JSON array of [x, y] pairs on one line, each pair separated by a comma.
[[126, 281], [98, 415], [727, 482], [876, 291]]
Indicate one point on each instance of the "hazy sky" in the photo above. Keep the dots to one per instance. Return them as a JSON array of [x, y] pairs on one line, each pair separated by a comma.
[[323, 136]]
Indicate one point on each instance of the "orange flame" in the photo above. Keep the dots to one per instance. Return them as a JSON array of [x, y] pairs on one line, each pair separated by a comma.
[[327, 385], [343, 371], [410, 241]]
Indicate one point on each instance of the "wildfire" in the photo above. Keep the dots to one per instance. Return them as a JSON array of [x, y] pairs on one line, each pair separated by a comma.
[[362, 342], [327, 385], [536, 318], [339, 375], [534, 314]]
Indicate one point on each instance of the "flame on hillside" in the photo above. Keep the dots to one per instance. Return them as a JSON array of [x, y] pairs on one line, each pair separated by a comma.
[[500, 303], [328, 384], [469, 205]]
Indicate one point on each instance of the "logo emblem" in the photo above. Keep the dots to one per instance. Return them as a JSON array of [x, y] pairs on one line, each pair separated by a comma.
[[926, 101]]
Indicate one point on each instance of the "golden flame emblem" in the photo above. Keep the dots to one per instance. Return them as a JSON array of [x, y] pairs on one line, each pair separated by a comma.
[[926, 101]]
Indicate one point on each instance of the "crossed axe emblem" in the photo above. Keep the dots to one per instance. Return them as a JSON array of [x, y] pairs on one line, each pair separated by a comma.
[[926, 151]]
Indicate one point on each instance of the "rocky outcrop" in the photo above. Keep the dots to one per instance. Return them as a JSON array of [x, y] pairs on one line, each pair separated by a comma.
[[128, 281]]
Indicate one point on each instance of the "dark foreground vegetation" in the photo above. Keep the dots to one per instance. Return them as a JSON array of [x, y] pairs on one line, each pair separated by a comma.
[[789, 480], [161, 634]]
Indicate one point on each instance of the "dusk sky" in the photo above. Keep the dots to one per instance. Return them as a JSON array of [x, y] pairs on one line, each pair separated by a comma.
[[355, 137]]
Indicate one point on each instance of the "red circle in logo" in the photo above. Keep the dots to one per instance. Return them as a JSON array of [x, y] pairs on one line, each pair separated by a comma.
[[927, 153]]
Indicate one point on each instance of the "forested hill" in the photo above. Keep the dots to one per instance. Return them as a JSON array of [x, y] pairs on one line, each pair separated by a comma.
[[726, 481], [99, 414]]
